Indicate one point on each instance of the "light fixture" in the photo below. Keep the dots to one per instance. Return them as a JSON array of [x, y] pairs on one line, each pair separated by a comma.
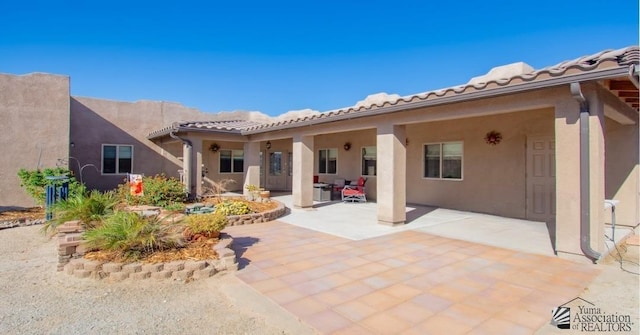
[[406, 141], [214, 147], [268, 145], [347, 146]]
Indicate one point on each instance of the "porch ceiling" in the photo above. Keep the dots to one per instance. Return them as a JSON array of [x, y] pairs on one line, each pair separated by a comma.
[[626, 91]]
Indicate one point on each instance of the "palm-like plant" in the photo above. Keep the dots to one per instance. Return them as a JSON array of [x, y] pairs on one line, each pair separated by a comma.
[[91, 209], [130, 235]]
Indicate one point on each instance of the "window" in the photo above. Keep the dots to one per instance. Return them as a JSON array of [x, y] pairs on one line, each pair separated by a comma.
[[369, 161], [231, 161], [275, 163], [443, 160], [328, 161], [117, 159]]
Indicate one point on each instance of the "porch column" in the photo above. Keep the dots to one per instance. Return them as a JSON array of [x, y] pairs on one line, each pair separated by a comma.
[[186, 167], [391, 174], [569, 188], [196, 167], [302, 182], [596, 168], [251, 165]]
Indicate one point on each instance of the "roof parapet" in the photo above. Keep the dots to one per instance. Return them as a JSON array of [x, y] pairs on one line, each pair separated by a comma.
[[503, 72]]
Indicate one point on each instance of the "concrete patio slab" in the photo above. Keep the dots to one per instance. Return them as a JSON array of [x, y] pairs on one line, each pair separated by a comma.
[[358, 221]]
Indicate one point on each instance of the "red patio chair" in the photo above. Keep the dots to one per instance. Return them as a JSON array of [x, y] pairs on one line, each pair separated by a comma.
[[355, 192]]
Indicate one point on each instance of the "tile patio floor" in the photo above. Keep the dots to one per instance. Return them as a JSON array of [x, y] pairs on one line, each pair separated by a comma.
[[410, 282]]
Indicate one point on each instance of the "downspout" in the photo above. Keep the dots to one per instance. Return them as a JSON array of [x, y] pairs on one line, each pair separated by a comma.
[[585, 170], [187, 173]]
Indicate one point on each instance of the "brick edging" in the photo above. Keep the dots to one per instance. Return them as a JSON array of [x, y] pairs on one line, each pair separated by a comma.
[[237, 220], [71, 260]]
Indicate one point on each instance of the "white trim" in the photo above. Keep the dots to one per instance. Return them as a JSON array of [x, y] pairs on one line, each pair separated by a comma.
[[117, 173]]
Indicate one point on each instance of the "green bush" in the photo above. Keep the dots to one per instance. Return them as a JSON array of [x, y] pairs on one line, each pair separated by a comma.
[[132, 236], [35, 182], [206, 223], [233, 208], [158, 191], [91, 209]]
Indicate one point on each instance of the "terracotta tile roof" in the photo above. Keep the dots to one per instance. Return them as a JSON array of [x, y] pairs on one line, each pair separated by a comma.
[[228, 126], [609, 58]]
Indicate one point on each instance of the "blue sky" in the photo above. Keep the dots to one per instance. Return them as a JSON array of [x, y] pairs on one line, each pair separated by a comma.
[[276, 56]]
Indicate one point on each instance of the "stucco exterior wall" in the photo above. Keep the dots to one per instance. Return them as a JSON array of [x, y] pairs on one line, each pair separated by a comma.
[[35, 111], [622, 171], [123, 123], [211, 161], [494, 177], [349, 165]]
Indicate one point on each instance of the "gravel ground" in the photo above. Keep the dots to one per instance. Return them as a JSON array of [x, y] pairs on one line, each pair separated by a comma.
[[36, 299]]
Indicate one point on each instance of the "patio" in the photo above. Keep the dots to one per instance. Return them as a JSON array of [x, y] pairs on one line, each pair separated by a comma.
[[357, 221]]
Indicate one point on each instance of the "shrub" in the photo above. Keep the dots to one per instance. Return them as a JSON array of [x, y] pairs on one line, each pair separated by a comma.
[[206, 224], [233, 208], [35, 182], [158, 191], [90, 209], [132, 236]]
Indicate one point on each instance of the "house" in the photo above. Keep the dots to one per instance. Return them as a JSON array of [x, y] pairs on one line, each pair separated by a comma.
[[549, 145]]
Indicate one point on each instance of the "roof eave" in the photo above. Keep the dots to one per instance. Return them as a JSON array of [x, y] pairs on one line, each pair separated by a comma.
[[480, 94]]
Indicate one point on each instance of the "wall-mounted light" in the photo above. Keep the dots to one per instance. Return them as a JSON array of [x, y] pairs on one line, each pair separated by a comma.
[[214, 147], [72, 144], [406, 141], [268, 145], [347, 146]]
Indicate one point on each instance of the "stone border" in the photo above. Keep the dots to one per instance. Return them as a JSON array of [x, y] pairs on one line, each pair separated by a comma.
[[71, 252], [20, 223], [237, 220]]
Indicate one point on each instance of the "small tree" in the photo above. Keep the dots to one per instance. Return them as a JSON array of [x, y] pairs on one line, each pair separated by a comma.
[[35, 182]]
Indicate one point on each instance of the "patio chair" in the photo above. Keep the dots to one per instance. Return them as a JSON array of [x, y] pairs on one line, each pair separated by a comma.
[[355, 192], [338, 185]]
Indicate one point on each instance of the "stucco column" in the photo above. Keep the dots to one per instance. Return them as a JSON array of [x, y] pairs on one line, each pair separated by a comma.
[[568, 183], [391, 174], [186, 168], [302, 179], [567, 133], [596, 169], [251, 165], [196, 167]]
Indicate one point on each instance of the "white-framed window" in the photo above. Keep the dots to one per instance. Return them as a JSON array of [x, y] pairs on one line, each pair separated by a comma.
[[369, 157], [231, 161], [328, 161], [443, 160], [117, 158]]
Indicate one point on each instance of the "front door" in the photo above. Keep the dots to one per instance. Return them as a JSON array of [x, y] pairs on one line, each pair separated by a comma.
[[541, 179], [277, 171]]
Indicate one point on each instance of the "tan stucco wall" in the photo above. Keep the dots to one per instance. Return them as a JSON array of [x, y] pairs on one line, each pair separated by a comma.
[[211, 161], [622, 171], [124, 123], [493, 176], [34, 109], [349, 165]]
